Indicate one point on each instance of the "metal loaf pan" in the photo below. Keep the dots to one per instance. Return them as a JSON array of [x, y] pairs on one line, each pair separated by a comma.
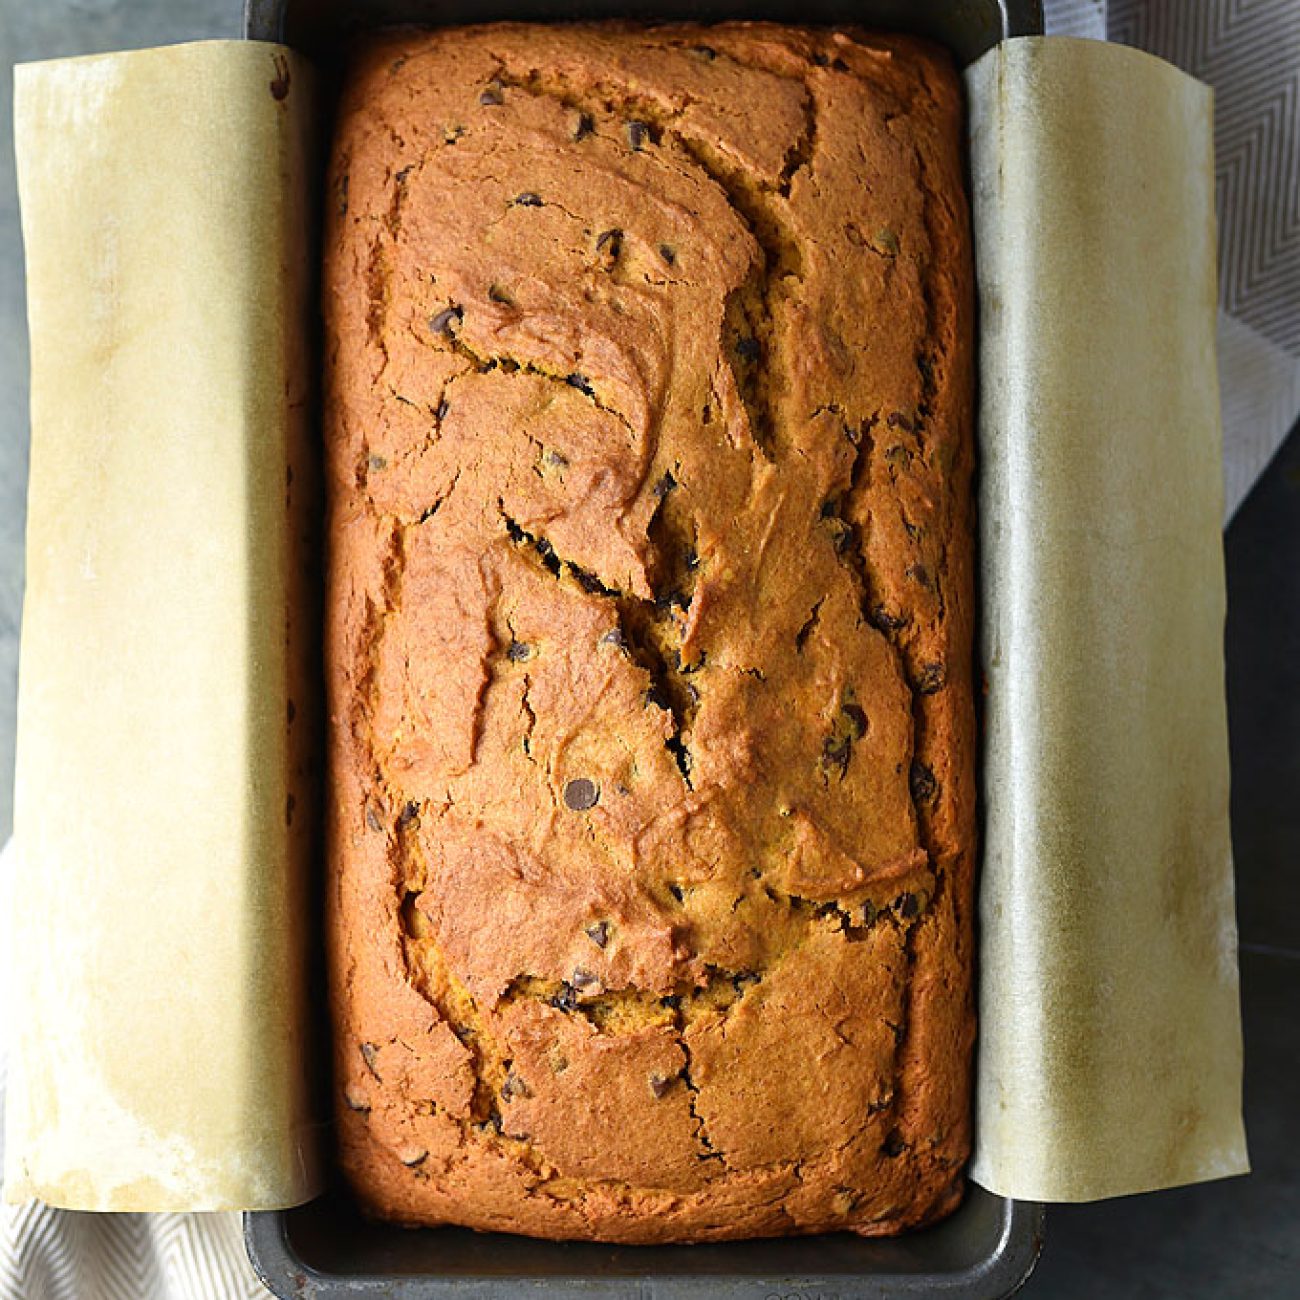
[[325, 1250]]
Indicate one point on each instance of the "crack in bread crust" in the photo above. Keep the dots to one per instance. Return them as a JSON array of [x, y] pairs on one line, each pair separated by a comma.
[[650, 610]]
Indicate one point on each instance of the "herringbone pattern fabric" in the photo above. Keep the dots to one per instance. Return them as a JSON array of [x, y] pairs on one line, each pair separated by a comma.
[[1249, 51]]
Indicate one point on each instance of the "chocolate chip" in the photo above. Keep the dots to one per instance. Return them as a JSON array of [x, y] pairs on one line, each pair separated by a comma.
[[705, 52], [881, 618], [857, 719], [584, 979], [893, 1144], [614, 637], [665, 485], [497, 294], [448, 320], [932, 678], [637, 133], [668, 253], [565, 1000], [672, 1001], [598, 933], [556, 458], [821, 60], [378, 463], [514, 1086], [585, 126], [660, 1083], [369, 1053], [408, 814], [676, 892], [581, 383], [493, 93], [748, 348], [372, 820], [836, 752], [829, 509], [841, 535], [528, 200], [518, 651], [922, 782], [492, 1123], [581, 794], [443, 407], [610, 242], [908, 907]]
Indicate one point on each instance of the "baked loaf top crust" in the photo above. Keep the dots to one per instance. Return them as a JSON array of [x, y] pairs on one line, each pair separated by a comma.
[[649, 401]]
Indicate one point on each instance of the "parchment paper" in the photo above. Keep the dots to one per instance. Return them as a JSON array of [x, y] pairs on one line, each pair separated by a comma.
[[1109, 1056], [160, 918]]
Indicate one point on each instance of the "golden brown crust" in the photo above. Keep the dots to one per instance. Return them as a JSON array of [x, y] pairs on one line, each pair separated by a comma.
[[649, 373]]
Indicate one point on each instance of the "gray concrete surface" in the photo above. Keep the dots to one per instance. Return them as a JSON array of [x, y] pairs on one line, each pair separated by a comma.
[[1235, 1239]]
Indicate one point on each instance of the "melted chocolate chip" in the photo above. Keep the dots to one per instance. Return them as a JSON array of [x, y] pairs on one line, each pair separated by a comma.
[[518, 651], [881, 618], [408, 814], [369, 1053], [448, 320], [668, 253], [660, 1083], [893, 1144], [665, 485], [857, 719], [637, 133], [932, 678], [514, 1086], [497, 294], [565, 1000], [528, 200], [443, 407], [581, 383], [493, 93], [921, 779], [615, 638], [598, 933], [584, 127], [581, 794], [584, 979], [908, 907], [836, 752], [676, 892], [610, 242]]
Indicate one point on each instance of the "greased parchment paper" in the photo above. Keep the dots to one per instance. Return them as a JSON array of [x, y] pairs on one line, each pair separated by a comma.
[[1109, 1056], [159, 919]]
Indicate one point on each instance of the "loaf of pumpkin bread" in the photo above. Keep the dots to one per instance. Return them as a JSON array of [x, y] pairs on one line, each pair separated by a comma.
[[648, 411]]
